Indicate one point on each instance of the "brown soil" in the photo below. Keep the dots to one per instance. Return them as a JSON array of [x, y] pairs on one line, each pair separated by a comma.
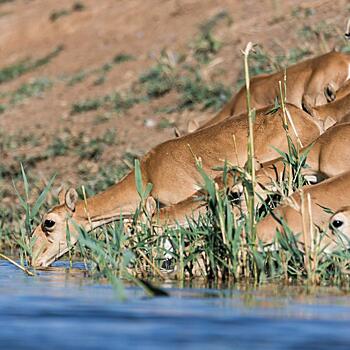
[[93, 36]]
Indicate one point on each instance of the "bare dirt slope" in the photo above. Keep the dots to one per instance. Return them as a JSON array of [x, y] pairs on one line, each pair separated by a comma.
[[59, 61]]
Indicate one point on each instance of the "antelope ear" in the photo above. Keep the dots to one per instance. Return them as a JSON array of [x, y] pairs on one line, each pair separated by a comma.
[[71, 199], [192, 126], [62, 195], [177, 132], [328, 123]]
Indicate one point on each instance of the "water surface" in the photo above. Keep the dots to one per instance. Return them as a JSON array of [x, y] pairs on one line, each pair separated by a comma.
[[66, 310]]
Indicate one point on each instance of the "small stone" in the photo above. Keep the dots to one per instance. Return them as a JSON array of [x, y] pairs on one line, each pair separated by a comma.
[[150, 123]]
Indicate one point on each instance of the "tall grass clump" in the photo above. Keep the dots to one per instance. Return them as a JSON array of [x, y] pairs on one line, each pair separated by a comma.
[[25, 240], [17, 238]]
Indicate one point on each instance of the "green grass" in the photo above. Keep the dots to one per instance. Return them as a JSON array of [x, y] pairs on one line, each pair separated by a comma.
[[17, 140], [26, 65], [92, 149], [101, 72], [13, 71], [86, 106], [81, 145], [27, 90], [158, 81], [78, 6], [205, 45], [195, 92], [122, 57], [106, 176], [120, 103], [58, 147], [114, 101], [171, 74], [25, 242], [107, 67], [57, 14], [33, 88], [77, 78], [187, 82], [165, 123]]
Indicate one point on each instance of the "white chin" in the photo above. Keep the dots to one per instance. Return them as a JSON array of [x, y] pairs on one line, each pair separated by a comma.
[[52, 259]]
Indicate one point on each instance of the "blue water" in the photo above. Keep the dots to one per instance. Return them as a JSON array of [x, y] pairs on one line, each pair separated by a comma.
[[61, 310]]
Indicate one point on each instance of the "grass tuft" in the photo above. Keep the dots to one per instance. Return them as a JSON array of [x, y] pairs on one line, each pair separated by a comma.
[[122, 57], [194, 91], [158, 81], [205, 45], [86, 106], [77, 7], [27, 90], [17, 69]]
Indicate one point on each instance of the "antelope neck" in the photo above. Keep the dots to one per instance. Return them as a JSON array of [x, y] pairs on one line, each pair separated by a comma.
[[120, 200], [93, 217]]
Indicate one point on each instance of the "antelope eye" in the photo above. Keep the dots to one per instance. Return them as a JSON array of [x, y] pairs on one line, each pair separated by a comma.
[[49, 224], [330, 93], [337, 223]]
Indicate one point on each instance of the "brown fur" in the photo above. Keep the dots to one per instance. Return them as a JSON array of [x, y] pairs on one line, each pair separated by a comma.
[[171, 168], [306, 79], [334, 112], [332, 194], [328, 157]]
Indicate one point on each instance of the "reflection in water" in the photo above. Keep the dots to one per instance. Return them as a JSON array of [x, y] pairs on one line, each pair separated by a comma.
[[67, 310]]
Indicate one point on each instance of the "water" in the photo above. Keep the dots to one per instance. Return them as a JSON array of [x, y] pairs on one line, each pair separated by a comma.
[[59, 310]]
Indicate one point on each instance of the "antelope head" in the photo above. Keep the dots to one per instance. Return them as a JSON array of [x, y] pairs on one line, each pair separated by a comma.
[[339, 227], [51, 235]]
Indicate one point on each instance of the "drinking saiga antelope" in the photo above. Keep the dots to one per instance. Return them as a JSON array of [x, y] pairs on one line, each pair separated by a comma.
[[171, 168]]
